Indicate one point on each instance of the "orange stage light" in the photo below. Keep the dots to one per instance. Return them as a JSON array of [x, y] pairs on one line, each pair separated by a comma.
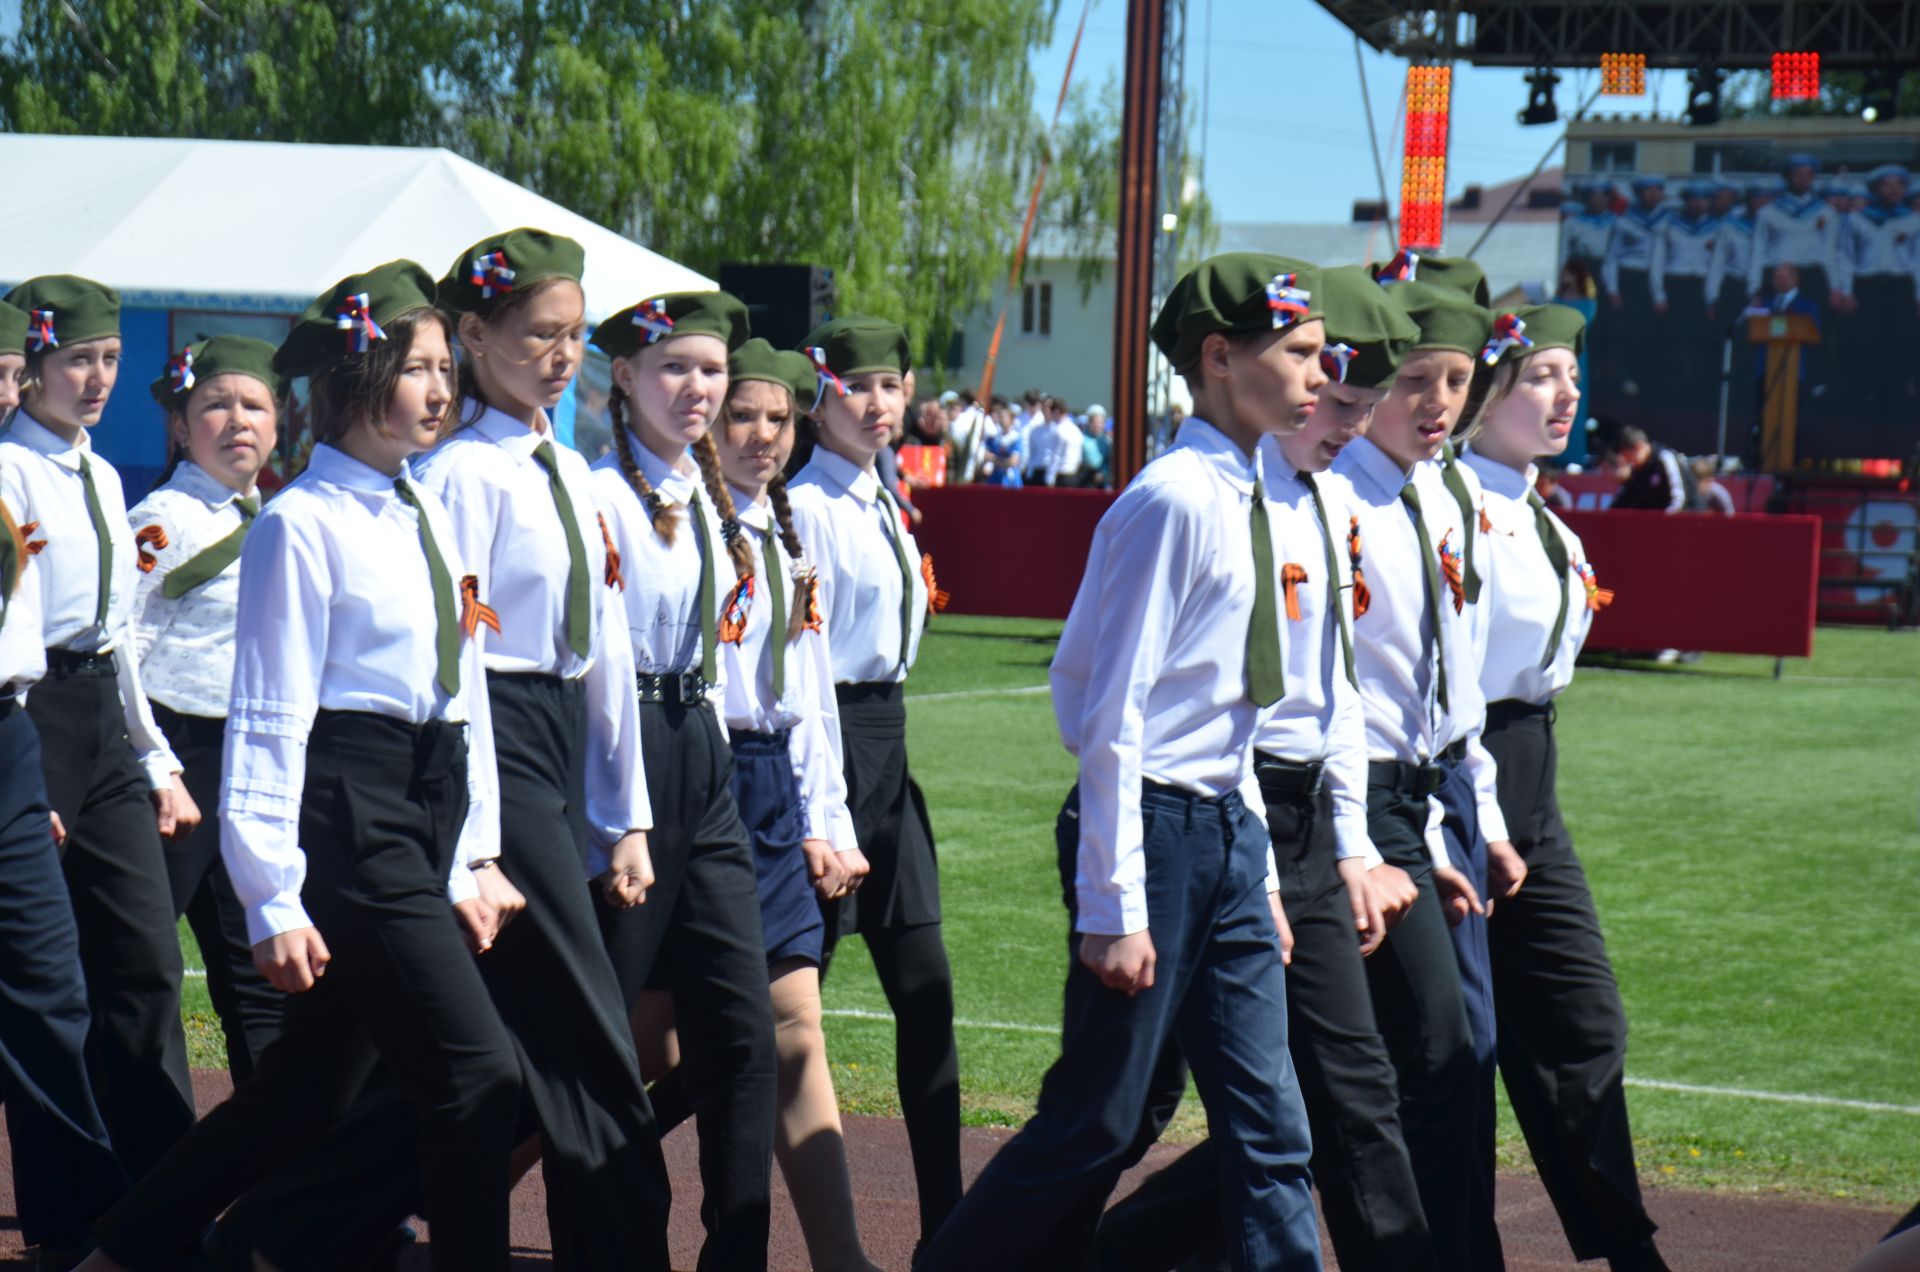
[[1796, 77], [1623, 74]]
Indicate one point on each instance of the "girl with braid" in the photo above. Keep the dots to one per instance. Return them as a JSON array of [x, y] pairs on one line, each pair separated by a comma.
[[876, 591], [691, 958]]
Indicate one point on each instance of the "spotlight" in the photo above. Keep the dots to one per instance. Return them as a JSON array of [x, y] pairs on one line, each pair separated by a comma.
[[1540, 105], [1796, 77], [1880, 96], [1623, 74], [1703, 96]]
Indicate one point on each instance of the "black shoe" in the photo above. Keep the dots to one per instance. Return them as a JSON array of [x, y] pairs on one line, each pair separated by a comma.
[[1644, 1257], [54, 1257], [387, 1257]]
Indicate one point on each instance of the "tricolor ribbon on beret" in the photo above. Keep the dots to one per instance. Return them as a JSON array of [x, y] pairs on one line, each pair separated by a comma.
[[492, 275], [652, 316], [356, 319], [1288, 303], [1334, 360], [1508, 331], [180, 370], [1403, 268], [823, 375], [40, 337]]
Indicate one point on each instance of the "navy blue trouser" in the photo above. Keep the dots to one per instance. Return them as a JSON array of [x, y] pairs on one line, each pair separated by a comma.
[[1220, 991], [63, 1166], [1467, 850]]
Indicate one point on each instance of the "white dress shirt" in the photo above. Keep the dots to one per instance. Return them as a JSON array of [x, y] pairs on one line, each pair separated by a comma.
[[23, 650], [508, 527], [1150, 678], [849, 527], [185, 643], [807, 706], [1523, 596], [1065, 449], [1320, 720], [40, 480], [1797, 228], [337, 613]]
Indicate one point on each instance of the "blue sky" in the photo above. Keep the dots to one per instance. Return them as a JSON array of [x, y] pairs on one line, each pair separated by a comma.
[[1261, 163]]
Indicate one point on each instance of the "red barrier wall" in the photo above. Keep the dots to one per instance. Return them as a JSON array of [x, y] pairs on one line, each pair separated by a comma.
[[1738, 585]]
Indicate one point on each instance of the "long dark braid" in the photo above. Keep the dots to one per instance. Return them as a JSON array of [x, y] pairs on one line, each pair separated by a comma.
[[803, 584], [665, 518], [738, 549]]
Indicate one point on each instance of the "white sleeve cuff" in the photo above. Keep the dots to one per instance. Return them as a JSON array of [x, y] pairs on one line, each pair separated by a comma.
[[281, 912], [461, 885]]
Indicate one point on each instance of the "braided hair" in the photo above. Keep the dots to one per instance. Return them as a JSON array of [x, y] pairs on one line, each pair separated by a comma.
[[790, 539], [738, 549], [665, 518]]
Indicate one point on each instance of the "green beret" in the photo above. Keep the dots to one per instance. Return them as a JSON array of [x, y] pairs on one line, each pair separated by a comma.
[[1365, 329], [1456, 273], [62, 310], [858, 346], [502, 263], [349, 316], [221, 355], [712, 313], [759, 360], [1237, 293], [1446, 318], [13, 329], [1532, 329]]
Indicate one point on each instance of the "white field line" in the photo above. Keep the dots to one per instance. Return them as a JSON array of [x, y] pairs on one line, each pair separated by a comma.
[[1649, 1084], [1017, 691]]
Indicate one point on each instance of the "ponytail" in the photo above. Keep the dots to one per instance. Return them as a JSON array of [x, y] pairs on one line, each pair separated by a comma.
[[738, 549], [666, 520]]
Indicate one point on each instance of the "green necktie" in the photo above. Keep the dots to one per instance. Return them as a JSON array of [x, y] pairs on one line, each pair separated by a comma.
[[446, 644], [206, 564], [1469, 520], [579, 616], [709, 646], [777, 592], [1266, 679], [11, 556], [102, 539], [1333, 579], [1557, 554], [890, 520], [1430, 583]]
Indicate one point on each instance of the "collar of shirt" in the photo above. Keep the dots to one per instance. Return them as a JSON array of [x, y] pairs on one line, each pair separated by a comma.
[[752, 512], [673, 485], [1235, 467], [844, 473], [1513, 483], [510, 434], [1374, 467], [1275, 466], [49, 443], [330, 463], [1785, 298], [194, 480]]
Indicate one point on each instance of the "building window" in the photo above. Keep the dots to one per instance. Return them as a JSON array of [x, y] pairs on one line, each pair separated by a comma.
[[1036, 309], [1615, 156]]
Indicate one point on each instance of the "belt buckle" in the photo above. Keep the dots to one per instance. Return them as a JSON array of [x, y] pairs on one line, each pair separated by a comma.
[[691, 687], [1319, 779]]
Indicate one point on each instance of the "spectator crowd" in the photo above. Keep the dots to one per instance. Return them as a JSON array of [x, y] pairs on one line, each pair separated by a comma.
[[1040, 441]]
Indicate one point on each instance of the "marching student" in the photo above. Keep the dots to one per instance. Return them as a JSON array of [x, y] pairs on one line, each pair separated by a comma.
[[1411, 648], [1563, 1033], [222, 399], [114, 784], [1340, 897], [360, 811], [1684, 243], [65, 1174], [876, 591], [1170, 663], [784, 727], [691, 961]]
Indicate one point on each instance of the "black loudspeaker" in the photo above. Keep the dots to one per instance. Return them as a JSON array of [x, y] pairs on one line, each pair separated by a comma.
[[784, 302]]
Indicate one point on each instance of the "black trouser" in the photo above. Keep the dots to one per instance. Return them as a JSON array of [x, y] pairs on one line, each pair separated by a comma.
[[1360, 1163], [1563, 1032], [554, 987], [64, 1171], [1880, 375], [897, 912], [117, 878], [248, 1007], [1693, 378], [698, 936], [380, 818], [1423, 1017]]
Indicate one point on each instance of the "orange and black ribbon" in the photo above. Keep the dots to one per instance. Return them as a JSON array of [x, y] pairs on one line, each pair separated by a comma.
[[150, 536], [1598, 598], [734, 614], [614, 578], [1362, 598], [1291, 577], [814, 621], [936, 599], [474, 611], [1452, 567]]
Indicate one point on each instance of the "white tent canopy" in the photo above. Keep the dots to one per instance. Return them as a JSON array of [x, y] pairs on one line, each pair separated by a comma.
[[266, 226]]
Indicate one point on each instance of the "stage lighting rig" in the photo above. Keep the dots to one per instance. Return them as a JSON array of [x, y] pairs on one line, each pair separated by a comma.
[[1540, 104], [1880, 96], [1703, 95]]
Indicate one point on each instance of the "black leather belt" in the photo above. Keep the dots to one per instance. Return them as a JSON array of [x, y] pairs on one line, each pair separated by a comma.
[[10, 703], [67, 662], [1416, 779], [1507, 710], [677, 688], [1288, 777]]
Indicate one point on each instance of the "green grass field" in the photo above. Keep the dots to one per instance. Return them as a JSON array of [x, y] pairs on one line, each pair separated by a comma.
[[1752, 843]]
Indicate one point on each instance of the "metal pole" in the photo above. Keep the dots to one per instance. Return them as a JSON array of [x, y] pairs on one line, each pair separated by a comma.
[[1524, 185], [1138, 228], [1373, 141], [1726, 384]]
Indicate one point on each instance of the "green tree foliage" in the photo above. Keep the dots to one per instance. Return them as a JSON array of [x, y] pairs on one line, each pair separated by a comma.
[[1748, 95], [884, 140]]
